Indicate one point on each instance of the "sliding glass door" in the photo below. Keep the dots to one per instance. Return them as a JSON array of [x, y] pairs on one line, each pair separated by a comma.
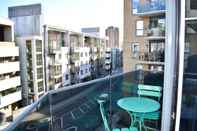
[[186, 118]]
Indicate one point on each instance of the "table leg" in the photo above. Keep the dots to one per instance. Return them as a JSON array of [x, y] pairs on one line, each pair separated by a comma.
[[140, 123], [133, 119]]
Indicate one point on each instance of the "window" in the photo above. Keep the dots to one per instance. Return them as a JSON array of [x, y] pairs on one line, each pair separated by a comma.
[[39, 59], [66, 76], [138, 67], [86, 70], [81, 54], [135, 49], [40, 86], [40, 73], [38, 45], [81, 72], [139, 28]]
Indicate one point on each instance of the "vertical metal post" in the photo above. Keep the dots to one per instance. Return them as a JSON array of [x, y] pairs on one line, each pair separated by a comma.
[[169, 69], [45, 39], [181, 63]]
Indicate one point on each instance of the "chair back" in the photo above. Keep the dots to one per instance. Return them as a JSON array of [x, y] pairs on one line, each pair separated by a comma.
[[103, 114], [149, 91]]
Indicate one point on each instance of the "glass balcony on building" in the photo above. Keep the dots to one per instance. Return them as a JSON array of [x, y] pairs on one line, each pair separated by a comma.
[[156, 33], [150, 8], [75, 108]]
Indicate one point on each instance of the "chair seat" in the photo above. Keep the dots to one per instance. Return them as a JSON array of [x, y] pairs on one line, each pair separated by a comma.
[[126, 129], [116, 129], [150, 116], [133, 129]]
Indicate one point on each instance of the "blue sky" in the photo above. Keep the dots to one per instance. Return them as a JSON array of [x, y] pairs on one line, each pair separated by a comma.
[[74, 14]]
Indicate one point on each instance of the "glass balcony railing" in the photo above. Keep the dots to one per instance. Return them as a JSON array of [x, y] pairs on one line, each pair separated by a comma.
[[75, 108], [151, 6], [156, 56], [155, 32]]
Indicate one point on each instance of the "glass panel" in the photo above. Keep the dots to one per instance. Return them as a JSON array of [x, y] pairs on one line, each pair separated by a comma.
[[189, 95], [77, 108], [147, 6], [38, 119]]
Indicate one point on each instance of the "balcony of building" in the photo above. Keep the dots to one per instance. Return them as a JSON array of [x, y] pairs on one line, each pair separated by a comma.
[[74, 69], [10, 98], [156, 33], [150, 8], [54, 46], [7, 82], [149, 58], [54, 62], [76, 107], [13, 67]]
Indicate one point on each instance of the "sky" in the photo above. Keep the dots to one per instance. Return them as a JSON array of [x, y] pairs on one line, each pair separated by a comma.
[[76, 14]]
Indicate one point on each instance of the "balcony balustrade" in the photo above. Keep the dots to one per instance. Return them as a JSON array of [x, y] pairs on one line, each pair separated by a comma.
[[76, 107], [156, 56], [151, 7], [155, 32]]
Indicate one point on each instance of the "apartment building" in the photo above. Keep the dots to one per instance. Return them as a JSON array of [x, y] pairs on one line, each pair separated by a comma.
[[144, 35], [97, 46], [77, 57], [10, 91], [28, 31], [32, 67], [56, 57], [113, 37]]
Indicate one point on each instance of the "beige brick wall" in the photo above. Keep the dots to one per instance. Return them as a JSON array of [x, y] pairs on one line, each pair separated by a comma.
[[130, 36]]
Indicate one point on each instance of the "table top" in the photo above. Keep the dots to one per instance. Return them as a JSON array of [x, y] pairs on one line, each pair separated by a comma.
[[138, 104]]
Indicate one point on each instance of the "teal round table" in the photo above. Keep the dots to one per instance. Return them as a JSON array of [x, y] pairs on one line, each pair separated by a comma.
[[138, 105]]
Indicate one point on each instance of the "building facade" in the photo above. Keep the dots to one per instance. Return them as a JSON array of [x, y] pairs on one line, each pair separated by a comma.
[[32, 67], [144, 35], [56, 57], [113, 37], [74, 57], [10, 91], [95, 31]]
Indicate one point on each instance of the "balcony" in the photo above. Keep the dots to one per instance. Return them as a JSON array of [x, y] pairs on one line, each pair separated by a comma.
[[10, 98], [54, 48], [74, 57], [76, 107], [7, 44], [55, 62], [156, 33], [74, 69], [151, 58], [9, 83], [8, 67], [7, 51], [108, 55], [151, 8]]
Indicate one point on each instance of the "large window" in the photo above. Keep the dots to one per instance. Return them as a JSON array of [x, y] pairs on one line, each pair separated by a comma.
[[139, 28]]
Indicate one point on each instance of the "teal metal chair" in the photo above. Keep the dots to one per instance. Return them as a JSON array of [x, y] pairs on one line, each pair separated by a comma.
[[101, 102], [153, 92]]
